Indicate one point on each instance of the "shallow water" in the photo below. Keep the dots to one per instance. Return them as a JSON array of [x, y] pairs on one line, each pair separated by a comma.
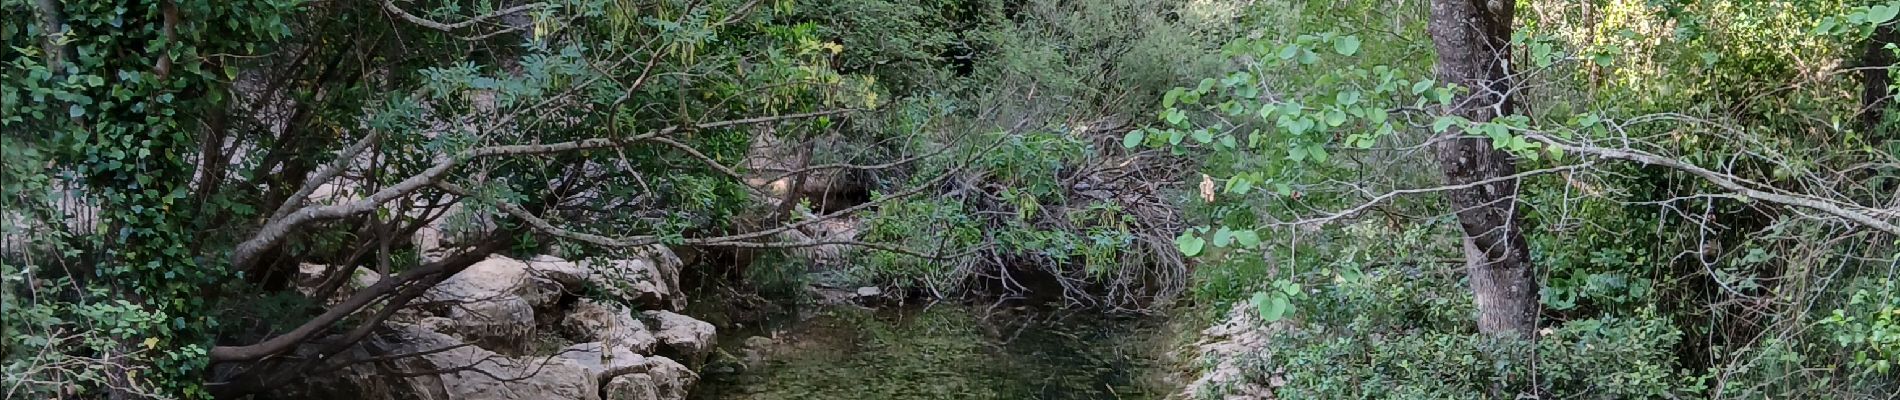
[[940, 351]]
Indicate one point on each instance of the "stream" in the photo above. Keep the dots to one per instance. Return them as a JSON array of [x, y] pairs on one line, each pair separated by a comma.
[[938, 351]]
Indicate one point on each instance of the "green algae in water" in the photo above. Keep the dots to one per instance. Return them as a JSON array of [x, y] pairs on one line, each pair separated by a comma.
[[943, 352]]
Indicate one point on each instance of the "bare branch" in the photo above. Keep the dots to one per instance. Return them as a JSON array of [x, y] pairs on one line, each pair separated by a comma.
[[390, 5], [275, 231], [328, 171], [361, 299]]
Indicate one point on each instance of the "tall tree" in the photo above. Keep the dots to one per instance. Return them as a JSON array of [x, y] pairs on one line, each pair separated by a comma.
[[1472, 38]]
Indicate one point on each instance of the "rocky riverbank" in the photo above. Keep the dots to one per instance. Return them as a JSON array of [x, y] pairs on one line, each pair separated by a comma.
[[540, 328]]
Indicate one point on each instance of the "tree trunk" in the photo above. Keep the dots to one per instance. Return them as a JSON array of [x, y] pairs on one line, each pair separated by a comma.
[[1472, 38], [1874, 100]]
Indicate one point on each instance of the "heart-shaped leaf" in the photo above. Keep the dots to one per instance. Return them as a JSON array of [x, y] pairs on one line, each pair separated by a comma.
[[1189, 244], [1346, 45], [1134, 138]]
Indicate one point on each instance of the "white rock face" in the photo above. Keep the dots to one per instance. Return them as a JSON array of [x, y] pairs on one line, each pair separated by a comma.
[[613, 325], [651, 279], [475, 373], [1230, 346], [680, 336], [602, 361], [476, 331], [311, 277], [664, 379], [493, 302]]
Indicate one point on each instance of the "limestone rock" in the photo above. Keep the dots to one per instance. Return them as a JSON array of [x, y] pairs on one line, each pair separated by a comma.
[[651, 279], [590, 321], [604, 362], [493, 302], [640, 280], [570, 275], [681, 337], [663, 379], [311, 277], [1232, 348], [498, 275], [470, 373]]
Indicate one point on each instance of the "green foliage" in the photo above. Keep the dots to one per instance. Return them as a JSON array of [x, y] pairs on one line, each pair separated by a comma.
[[133, 118], [1310, 140], [1868, 327]]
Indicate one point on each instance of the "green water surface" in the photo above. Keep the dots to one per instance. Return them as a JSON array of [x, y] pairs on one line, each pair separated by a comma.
[[941, 351]]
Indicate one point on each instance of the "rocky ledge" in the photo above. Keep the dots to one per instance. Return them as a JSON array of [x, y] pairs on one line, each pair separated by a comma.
[[541, 328]]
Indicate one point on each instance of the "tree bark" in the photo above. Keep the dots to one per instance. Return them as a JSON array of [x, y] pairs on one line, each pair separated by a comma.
[[1875, 79], [1472, 38]]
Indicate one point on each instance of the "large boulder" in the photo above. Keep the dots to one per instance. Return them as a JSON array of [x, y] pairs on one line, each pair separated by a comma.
[[425, 365], [681, 337], [661, 379], [604, 362], [651, 279], [493, 303], [591, 321]]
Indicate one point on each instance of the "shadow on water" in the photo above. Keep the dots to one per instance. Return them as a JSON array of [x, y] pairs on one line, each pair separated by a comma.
[[937, 351]]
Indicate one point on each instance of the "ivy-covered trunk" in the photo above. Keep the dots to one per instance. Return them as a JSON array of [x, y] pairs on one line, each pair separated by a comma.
[[1473, 42]]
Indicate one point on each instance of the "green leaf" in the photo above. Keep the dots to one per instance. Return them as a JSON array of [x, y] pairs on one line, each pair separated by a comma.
[[1275, 308], [1134, 138], [1239, 185], [1346, 98], [1603, 59], [1189, 244], [1335, 118], [1206, 84], [1174, 137], [75, 111], [1421, 86], [1443, 123], [1283, 189], [1346, 45], [1318, 152], [1223, 237], [1167, 100], [1297, 126], [1296, 153], [1175, 116], [1247, 238], [1877, 15], [1227, 141], [1290, 51], [1202, 136]]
